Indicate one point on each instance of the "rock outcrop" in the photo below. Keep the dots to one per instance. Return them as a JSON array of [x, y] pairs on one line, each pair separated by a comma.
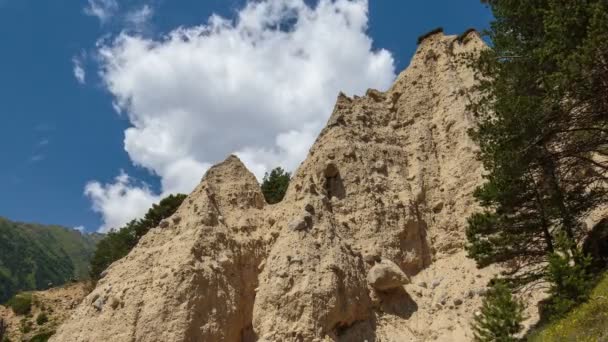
[[55, 305], [386, 276], [388, 182]]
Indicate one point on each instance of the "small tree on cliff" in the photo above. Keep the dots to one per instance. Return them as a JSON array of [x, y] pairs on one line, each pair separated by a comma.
[[274, 185], [118, 243]]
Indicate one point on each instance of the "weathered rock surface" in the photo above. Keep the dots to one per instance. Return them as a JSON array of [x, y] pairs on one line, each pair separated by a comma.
[[56, 304], [386, 276], [390, 177]]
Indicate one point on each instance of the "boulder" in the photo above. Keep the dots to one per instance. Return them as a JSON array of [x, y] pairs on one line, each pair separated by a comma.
[[386, 275]]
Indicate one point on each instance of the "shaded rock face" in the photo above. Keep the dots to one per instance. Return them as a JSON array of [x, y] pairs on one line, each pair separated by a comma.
[[389, 178], [386, 276]]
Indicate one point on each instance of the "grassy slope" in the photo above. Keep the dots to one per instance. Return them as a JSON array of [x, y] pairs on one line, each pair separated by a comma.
[[37, 257], [588, 322]]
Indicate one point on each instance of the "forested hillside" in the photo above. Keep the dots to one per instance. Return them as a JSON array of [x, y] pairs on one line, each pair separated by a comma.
[[34, 256]]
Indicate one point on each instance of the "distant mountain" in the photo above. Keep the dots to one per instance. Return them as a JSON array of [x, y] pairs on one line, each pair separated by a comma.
[[35, 257]]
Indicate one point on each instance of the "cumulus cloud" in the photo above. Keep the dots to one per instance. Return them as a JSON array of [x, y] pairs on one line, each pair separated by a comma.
[[120, 201], [80, 229], [261, 86], [101, 9], [79, 72]]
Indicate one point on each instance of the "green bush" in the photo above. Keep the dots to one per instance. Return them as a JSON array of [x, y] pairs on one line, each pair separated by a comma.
[[586, 322], [3, 327], [42, 337], [275, 184], [26, 326], [501, 316], [118, 243], [21, 303], [42, 318], [570, 279]]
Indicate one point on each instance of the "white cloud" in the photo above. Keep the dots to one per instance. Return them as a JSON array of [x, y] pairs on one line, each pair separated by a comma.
[[37, 158], [102, 9], [139, 19], [80, 229], [79, 71], [120, 201], [261, 86]]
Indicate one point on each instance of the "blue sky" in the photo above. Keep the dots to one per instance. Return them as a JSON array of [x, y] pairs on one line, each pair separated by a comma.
[[59, 134]]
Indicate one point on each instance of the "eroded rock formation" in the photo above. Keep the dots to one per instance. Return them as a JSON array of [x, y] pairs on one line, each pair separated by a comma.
[[389, 178]]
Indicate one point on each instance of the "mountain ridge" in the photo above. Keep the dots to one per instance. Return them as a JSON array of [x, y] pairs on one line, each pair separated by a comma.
[[37, 257]]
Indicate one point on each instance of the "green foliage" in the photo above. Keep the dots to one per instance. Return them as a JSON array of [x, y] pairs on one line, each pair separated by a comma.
[[587, 322], [274, 185], [165, 208], [501, 316], [21, 303], [542, 124], [42, 337], [569, 278], [118, 243], [35, 257], [3, 327], [26, 326], [42, 318]]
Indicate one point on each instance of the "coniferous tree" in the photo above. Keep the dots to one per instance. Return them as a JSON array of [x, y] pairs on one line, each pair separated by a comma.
[[119, 242], [542, 131], [500, 317], [274, 185]]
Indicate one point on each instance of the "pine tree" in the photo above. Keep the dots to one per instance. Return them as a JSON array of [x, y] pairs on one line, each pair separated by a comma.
[[500, 316], [542, 131], [274, 185], [119, 242], [570, 281]]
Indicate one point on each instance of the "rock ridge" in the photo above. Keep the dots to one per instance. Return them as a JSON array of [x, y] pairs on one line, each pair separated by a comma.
[[385, 189]]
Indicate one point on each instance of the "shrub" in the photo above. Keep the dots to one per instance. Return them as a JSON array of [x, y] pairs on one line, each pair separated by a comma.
[[42, 337], [275, 184], [26, 326], [501, 316], [586, 322], [21, 303], [118, 243], [570, 279], [42, 318], [428, 34], [2, 329]]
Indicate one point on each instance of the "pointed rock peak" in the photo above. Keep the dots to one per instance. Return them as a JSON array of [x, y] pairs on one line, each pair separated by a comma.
[[343, 99], [231, 165], [233, 184], [467, 35], [424, 37], [231, 170]]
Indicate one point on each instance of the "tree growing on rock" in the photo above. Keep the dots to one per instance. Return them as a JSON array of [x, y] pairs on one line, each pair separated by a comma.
[[119, 242], [275, 184], [542, 131]]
